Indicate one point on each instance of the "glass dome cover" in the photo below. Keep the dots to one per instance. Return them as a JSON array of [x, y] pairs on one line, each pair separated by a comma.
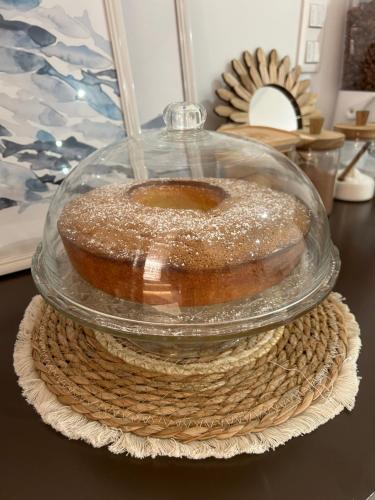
[[185, 232]]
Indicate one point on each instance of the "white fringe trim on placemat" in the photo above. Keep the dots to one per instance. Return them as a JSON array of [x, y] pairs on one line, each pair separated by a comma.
[[75, 426]]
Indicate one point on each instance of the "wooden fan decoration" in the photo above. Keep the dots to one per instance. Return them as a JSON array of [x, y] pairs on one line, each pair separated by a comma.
[[257, 71]]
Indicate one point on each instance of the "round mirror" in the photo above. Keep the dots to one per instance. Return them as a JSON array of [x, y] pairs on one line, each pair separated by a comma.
[[272, 106], [265, 91]]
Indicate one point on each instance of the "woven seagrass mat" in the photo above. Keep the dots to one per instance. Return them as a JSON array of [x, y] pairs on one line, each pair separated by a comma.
[[252, 397]]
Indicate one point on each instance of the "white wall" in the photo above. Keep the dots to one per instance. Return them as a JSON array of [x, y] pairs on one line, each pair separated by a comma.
[[221, 30], [153, 46]]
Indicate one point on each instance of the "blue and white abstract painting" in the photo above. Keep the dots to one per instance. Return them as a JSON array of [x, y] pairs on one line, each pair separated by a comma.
[[59, 101]]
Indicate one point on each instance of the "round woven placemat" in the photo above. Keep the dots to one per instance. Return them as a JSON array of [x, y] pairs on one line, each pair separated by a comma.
[[253, 397]]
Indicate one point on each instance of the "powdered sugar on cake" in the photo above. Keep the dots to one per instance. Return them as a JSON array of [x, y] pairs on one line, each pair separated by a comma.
[[251, 223]]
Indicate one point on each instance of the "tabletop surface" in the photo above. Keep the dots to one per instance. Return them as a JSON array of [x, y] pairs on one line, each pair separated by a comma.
[[336, 461]]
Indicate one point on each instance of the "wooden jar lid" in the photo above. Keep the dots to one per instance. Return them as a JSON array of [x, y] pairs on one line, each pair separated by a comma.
[[318, 139], [353, 131], [282, 140], [358, 130], [325, 141]]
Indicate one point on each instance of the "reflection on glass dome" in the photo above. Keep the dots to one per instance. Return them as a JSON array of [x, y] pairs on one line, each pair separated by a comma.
[[185, 232]]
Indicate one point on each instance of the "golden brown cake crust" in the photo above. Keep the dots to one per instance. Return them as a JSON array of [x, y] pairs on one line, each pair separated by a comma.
[[251, 240]]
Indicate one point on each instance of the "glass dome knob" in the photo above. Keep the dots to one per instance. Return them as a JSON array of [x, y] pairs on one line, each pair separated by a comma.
[[184, 116]]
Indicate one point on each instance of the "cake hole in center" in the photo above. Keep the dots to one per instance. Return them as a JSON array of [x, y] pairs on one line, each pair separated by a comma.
[[179, 195]]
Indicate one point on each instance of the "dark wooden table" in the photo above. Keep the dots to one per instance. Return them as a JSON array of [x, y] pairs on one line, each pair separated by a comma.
[[337, 461]]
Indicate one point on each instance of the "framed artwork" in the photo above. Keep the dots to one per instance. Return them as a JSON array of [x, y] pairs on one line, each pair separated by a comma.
[[59, 102]]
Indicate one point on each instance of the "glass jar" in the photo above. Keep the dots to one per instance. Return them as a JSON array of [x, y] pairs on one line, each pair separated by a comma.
[[359, 55], [184, 235], [357, 134], [318, 156]]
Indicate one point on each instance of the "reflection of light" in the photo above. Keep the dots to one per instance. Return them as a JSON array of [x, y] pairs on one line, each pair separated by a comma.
[[81, 93], [58, 143], [65, 170], [257, 241], [264, 215], [152, 269]]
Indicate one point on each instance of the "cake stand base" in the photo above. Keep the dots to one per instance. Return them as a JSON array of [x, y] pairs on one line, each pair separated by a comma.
[[249, 399]]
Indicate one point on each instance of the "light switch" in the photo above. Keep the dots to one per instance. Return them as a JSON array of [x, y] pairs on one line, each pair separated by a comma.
[[316, 52], [311, 36], [317, 15], [310, 52]]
